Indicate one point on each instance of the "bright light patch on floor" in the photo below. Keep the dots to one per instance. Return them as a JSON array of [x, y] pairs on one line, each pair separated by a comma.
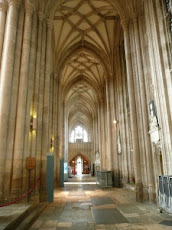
[[79, 182]]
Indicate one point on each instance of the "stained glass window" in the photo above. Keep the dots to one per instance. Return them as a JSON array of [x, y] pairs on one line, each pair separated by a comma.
[[79, 134]]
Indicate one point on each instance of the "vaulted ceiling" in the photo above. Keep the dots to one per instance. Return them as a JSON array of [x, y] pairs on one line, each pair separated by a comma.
[[85, 20], [85, 35], [124, 8]]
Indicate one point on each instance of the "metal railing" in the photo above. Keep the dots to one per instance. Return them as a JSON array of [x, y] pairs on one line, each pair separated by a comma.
[[165, 193], [23, 196], [104, 178]]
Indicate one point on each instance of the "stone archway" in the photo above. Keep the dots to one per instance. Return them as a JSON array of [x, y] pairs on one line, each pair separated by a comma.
[[80, 165]]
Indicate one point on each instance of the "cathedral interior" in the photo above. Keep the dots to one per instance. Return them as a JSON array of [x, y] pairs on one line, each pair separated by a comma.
[[89, 83]]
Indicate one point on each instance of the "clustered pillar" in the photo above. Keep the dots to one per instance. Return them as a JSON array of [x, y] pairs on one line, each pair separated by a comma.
[[3, 14], [26, 72], [33, 114], [7, 63], [19, 154], [133, 115], [133, 157]]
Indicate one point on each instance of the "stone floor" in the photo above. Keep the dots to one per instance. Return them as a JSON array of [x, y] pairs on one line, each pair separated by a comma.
[[9, 213], [88, 207]]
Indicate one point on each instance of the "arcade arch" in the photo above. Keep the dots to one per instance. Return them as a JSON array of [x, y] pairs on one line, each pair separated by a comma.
[[84, 62]]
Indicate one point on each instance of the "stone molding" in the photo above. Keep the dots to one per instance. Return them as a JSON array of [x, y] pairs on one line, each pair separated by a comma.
[[50, 23], [41, 16], [3, 7], [29, 9], [14, 3], [125, 24]]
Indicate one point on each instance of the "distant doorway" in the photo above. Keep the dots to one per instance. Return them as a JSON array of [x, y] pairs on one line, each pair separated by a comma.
[[79, 166]]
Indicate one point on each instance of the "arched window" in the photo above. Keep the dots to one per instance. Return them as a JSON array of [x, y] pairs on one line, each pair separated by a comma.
[[79, 134]]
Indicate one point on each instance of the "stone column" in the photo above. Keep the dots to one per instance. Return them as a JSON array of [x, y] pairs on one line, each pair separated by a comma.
[[118, 126], [34, 97], [22, 97], [46, 106], [93, 135], [51, 109], [6, 79], [100, 133], [13, 106], [109, 133], [116, 173], [37, 80], [126, 113], [114, 160], [138, 111], [60, 122], [66, 125], [55, 131], [40, 106], [102, 154], [136, 150], [97, 137], [3, 10], [63, 131], [151, 188], [122, 121], [28, 176], [161, 77]]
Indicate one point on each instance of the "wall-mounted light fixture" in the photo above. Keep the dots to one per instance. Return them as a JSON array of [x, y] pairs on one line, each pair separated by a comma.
[[115, 122], [52, 144], [33, 123]]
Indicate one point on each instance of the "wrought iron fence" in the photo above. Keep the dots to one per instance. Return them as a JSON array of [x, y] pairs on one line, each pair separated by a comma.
[[165, 193], [169, 13]]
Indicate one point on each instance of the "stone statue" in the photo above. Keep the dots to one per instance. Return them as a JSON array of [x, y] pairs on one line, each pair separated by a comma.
[[119, 143]]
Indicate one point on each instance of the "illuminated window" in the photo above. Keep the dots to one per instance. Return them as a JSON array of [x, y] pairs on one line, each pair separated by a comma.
[[79, 134]]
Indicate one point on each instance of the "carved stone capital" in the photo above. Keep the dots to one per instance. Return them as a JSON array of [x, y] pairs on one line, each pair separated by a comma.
[[56, 76], [3, 7], [50, 24], [124, 23], [14, 3], [135, 20], [41, 16], [101, 100], [29, 9], [111, 75]]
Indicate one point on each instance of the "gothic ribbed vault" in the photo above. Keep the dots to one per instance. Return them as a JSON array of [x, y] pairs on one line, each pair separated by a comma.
[[104, 65], [84, 43]]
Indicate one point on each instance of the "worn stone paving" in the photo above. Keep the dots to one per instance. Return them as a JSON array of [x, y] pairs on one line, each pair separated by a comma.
[[88, 207], [10, 213]]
